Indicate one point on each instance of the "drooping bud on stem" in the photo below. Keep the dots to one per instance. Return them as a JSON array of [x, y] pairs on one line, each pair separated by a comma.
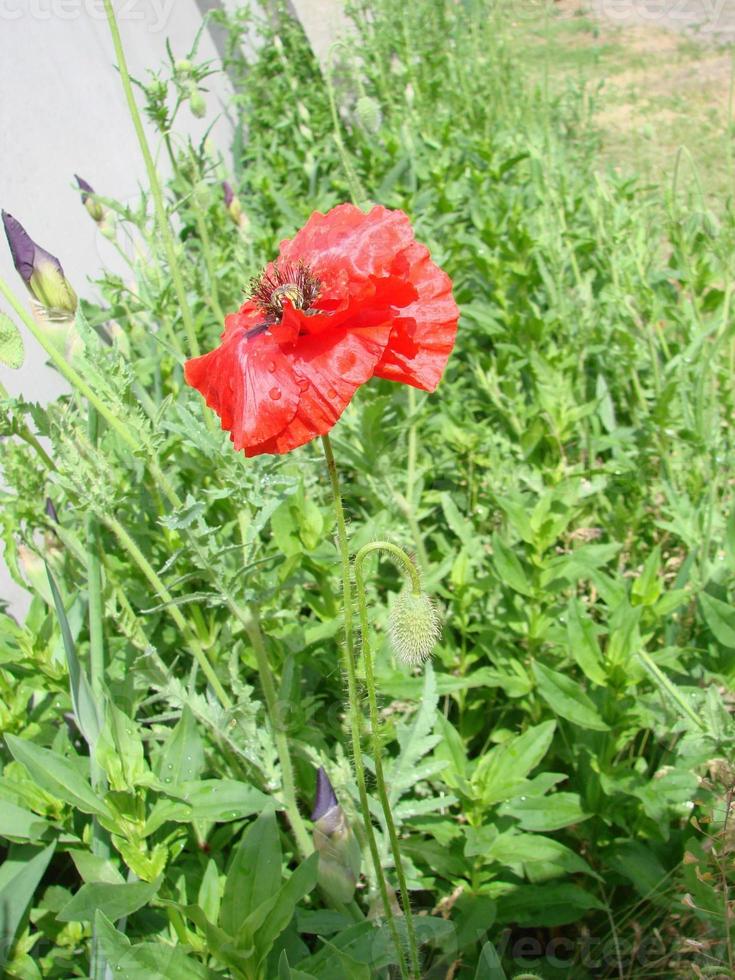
[[336, 845], [414, 628], [414, 625], [41, 272], [95, 209]]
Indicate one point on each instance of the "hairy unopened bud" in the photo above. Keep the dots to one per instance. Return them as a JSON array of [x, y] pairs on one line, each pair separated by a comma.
[[338, 850], [40, 270], [183, 67], [368, 112], [197, 103], [95, 209], [414, 628]]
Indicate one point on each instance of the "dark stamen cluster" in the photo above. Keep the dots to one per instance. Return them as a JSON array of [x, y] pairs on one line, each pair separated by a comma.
[[285, 281]]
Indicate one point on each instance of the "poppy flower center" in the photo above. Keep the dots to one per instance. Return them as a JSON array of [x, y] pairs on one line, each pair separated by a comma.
[[284, 281]]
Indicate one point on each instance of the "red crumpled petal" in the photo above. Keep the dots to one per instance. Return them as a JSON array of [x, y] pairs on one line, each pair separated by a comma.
[[363, 245], [273, 401], [424, 331]]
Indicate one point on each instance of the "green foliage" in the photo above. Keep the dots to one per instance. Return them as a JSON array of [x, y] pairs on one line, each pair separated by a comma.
[[562, 770]]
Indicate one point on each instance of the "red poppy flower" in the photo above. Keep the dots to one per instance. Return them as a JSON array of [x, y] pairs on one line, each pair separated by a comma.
[[352, 296]]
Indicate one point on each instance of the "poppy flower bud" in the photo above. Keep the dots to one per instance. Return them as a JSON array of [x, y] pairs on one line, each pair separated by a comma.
[[197, 103], [233, 205], [336, 845], [414, 628], [369, 114], [95, 209], [40, 270], [183, 67]]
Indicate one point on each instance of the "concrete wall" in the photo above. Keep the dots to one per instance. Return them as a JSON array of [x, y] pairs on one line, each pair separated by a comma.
[[62, 112]]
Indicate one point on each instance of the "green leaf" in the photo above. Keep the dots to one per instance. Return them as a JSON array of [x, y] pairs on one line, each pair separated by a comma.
[[546, 905], [567, 699], [648, 586], [19, 824], [115, 901], [57, 775], [120, 751], [511, 848], [720, 617], [221, 800], [85, 706], [12, 352], [20, 875], [266, 923], [147, 960], [286, 973], [505, 767], [182, 759], [209, 897], [93, 868], [546, 813], [254, 875], [583, 644], [461, 527], [489, 966], [508, 568]]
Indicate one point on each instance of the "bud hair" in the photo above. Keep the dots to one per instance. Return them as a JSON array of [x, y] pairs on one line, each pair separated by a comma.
[[414, 628]]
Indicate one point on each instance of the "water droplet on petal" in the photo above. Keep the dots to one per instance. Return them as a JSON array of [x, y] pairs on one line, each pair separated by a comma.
[[275, 394], [331, 393], [303, 384], [271, 366]]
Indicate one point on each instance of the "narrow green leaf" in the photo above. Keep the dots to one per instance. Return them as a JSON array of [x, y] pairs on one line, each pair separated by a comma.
[[115, 901], [267, 923], [567, 698], [648, 586], [254, 874], [182, 759], [19, 824], [509, 569], [86, 711], [720, 617], [57, 775], [583, 643], [20, 875]]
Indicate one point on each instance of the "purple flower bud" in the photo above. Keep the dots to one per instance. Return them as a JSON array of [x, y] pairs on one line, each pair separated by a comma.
[[40, 270], [232, 203], [339, 852], [96, 211], [51, 510], [325, 796]]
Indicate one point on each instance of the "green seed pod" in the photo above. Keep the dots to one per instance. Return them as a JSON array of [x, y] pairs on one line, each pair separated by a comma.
[[414, 628], [368, 113]]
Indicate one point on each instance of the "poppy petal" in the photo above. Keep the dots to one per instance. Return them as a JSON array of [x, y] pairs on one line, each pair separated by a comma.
[[249, 384], [425, 330], [347, 239]]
